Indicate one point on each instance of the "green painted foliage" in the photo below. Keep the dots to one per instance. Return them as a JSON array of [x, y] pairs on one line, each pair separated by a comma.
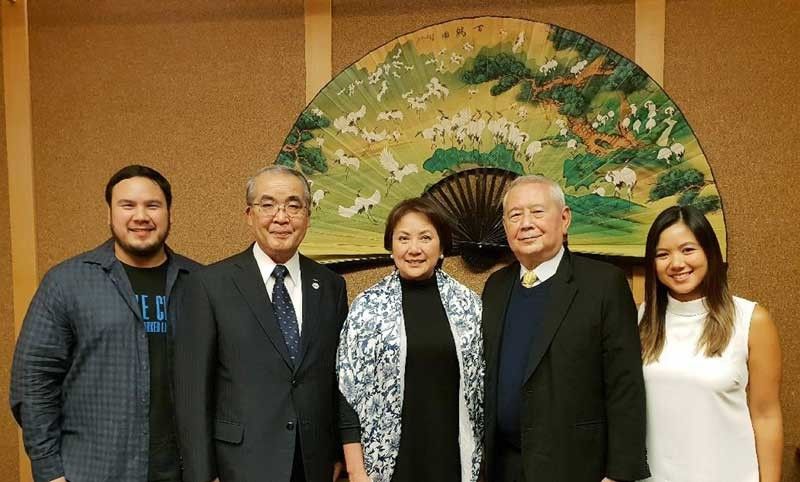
[[688, 197], [310, 121], [504, 66], [568, 40], [580, 171], [571, 100], [311, 160], [677, 181], [592, 213], [449, 160], [285, 159], [525, 92], [296, 154], [707, 204], [626, 76], [704, 204], [505, 83]]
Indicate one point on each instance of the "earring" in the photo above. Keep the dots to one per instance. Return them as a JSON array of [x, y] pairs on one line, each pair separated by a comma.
[[441, 256]]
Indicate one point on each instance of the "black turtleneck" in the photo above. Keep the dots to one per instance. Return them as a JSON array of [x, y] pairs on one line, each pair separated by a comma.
[[429, 448]]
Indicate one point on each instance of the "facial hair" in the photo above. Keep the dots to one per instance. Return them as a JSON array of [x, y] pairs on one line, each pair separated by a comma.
[[144, 252]]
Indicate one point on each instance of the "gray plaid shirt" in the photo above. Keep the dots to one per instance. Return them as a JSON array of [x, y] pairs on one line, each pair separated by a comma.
[[80, 381]]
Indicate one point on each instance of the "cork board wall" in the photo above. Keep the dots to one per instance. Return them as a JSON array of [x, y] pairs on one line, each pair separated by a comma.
[[9, 445], [203, 91], [732, 83]]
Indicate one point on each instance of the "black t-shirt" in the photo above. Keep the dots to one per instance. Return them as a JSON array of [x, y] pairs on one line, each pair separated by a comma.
[[149, 285]]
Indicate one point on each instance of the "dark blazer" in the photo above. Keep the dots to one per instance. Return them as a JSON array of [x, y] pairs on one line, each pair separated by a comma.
[[240, 403], [583, 405]]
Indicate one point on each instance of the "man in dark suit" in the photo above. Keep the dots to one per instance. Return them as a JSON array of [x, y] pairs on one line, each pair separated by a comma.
[[564, 390], [255, 351]]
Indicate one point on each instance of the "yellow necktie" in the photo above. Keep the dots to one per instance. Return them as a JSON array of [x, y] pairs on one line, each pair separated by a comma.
[[529, 278]]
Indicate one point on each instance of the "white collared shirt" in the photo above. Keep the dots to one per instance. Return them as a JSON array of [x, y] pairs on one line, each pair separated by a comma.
[[545, 270], [293, 282]]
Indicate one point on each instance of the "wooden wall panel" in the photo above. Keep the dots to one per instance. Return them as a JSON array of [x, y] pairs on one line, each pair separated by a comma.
[[204, 91], [729, 68], [9, 442]]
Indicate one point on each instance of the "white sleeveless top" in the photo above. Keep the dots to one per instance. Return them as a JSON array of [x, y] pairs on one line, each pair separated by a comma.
[[698, 421]]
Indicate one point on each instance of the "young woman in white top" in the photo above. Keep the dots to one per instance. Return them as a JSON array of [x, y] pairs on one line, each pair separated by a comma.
[[712, 363]]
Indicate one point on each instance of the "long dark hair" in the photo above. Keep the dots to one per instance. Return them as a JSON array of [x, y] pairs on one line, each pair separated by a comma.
[[719, 323]]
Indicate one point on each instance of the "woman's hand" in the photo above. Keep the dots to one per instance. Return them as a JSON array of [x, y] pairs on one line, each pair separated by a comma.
[[359, 476], [354, 460]]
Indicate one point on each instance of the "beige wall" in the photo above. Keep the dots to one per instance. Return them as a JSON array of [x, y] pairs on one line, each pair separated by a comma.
[[206, 90]]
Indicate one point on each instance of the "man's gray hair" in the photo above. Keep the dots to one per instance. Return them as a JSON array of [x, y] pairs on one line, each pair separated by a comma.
[[250, 193], [556, 193]]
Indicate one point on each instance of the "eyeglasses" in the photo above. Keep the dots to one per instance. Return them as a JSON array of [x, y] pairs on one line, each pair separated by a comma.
[[268, 209]]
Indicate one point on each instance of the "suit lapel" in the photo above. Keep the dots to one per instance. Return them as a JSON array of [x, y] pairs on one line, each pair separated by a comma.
[[562, 292], [495, 311], [312, 290], [250, 283]]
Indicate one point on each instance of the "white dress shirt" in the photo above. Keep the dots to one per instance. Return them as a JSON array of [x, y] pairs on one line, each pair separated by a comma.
[[545, 270], [293, 282]]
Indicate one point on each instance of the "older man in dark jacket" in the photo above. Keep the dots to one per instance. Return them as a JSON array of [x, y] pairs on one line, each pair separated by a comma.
[[564, 388]]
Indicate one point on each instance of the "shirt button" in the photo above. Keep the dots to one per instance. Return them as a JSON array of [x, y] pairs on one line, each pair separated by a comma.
[[294, 382], [290, 425]]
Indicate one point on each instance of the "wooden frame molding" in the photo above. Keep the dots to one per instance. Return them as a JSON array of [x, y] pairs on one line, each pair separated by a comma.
[[19, 147], [319, 63], [651, 18]]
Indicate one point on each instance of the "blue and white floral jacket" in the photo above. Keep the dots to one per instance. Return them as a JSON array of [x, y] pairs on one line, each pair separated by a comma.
[[371, 369]]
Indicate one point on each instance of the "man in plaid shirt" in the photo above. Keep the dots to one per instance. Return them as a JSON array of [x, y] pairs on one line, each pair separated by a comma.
[[91, 382]]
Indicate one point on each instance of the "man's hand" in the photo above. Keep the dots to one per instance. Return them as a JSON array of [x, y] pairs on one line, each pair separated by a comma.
[[337, 470]]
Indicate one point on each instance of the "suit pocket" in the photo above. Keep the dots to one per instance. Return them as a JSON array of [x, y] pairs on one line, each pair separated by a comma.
[[590, 424], [589, 440], [230, 432]]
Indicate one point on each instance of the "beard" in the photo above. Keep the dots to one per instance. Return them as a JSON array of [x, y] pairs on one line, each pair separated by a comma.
[[144, 251]]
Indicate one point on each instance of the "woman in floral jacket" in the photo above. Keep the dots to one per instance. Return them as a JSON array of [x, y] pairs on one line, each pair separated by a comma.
[[410, 363]]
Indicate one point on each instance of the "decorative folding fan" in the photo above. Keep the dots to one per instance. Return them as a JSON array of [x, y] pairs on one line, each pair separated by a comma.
[[478, 236], [457, 109]]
